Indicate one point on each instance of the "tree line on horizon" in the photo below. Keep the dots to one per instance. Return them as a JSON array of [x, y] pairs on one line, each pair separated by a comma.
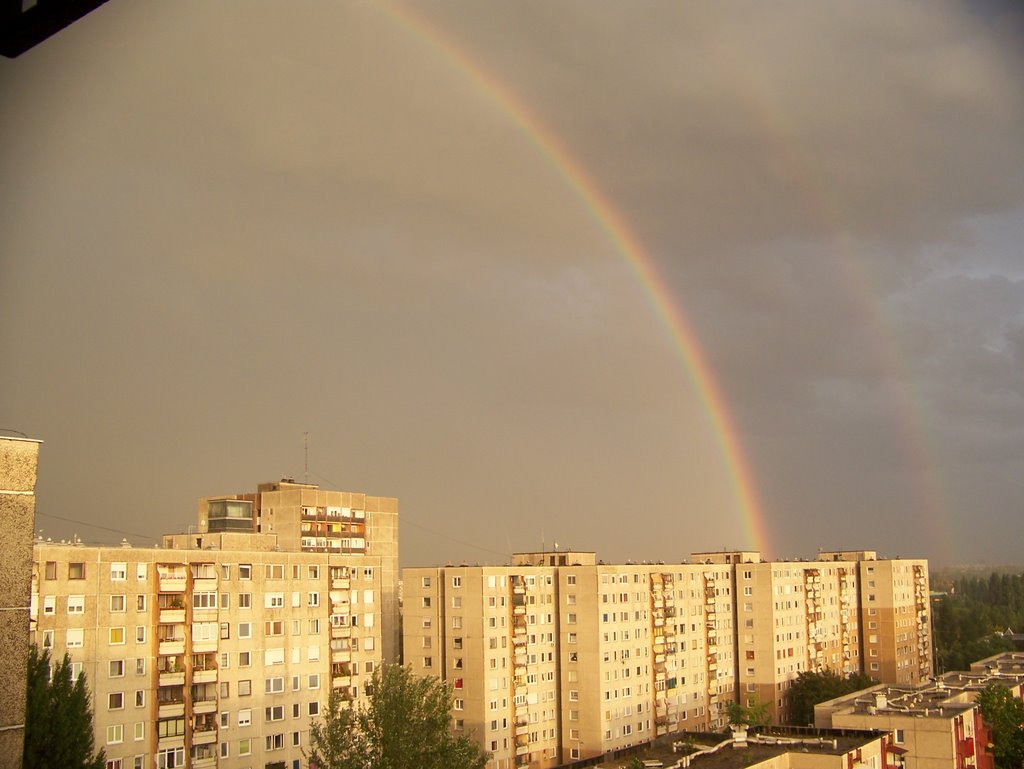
[[970, 618]]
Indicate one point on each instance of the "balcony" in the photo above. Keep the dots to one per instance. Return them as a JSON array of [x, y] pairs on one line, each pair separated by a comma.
[[204, 646], [170, 710], [203, 676], [204, 706], [172, 616], [344, 655], [341, 682], [204, 585], [172, 678], [171, 646], [172, 583], [204, 737]]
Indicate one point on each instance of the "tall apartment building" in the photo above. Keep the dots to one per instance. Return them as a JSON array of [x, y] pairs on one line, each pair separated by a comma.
[[219, 648], [307, 518], [557, 657]]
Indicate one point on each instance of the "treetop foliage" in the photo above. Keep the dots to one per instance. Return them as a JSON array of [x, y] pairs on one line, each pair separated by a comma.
[[1004, 715], [58, 717], [811, 688], [404, 722]]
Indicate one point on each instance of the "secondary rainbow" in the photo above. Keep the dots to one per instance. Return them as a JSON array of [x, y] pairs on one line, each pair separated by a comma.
[[632, 251]]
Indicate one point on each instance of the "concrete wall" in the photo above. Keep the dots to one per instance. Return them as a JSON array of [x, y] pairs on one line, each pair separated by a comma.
[[18, 464]]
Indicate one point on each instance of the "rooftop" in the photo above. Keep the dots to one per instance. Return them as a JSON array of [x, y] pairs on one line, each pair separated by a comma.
[[719, 751]]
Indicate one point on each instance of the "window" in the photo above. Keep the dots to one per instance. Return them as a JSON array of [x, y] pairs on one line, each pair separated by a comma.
[[244, 747], [273, 600], [49, 604], [245, 630], [113, 763], [899, 735], [314, 626], [118, 572], [314, 681], [424, 581], [428, 662], [76, 604], [368, 573], [75, 637], [244, 688], [273, 628], [224, 750], [170, 758], [115, 701], [425, 601], [140, 730], [140, 603], [204, 600], [140, 698], [456, 581], [274, 741], [314, 708], [274, 713], [116, 636], [141, 571], [47, 639], [115, 734], [244, 659], [245, 571], [456, 601], [314, 599], [115, 668], [274, 571], [76, 571], [274, 685], [140, 634], [140, 666], [51, 570], [245, 600]]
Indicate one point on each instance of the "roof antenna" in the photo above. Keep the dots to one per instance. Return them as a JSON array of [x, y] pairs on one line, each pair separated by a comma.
[[305, 448]]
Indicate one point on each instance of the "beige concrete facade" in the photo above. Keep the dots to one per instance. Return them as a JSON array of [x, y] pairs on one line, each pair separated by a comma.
[[557, 657], [220, 647], [19, 460], [305, 517]]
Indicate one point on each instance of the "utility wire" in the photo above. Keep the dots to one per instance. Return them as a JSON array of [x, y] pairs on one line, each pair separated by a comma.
[[98, 526]]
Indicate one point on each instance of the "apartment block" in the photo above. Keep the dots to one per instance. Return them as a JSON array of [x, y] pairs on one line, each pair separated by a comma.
[[558, 657], [220, 647], [306, 518], [847, 612]]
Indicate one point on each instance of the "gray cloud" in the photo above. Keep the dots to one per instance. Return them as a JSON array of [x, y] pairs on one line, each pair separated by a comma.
[[224, 225]]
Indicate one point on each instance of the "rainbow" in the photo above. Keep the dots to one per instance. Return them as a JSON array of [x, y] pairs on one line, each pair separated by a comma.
[[910, 419], [629, 246]]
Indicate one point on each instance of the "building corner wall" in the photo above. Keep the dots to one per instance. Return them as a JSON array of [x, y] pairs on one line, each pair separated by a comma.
[[18, 466]]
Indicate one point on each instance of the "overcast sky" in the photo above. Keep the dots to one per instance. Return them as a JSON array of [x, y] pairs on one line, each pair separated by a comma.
[[223, 225]]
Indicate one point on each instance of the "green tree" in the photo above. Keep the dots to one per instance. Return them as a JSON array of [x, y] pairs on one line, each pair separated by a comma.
[[811, 688], [404, 722], [58, 717], [754, 714], [1004, 716]]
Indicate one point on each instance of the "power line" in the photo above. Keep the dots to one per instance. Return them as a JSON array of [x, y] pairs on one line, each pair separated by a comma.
[[97, 526]]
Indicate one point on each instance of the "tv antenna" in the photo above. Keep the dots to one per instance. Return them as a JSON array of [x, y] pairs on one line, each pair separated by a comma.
[[305, 450]]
